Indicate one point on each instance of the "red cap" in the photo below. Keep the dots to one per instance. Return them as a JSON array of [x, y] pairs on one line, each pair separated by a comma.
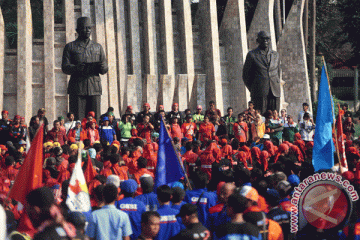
[[146, 104], [17, 117], [161, 106], [4, 111], [129, 107], [91, 114], [175, 104]]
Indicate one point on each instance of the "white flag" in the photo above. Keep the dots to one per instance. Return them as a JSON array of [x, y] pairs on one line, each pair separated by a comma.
[[78, 199]]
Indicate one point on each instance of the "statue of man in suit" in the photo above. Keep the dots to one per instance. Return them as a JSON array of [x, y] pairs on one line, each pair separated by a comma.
[[261, 75], [84, 60]]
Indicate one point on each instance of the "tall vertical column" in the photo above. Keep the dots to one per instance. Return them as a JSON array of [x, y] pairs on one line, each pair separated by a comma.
[[24, 58], [100, 38], [49, 59], [187, 48], [2, 57], [134, 91], [211, 51], [167, 47], [149, 36], [69, 20], [85, 8], [294, 65], [234, 38], [150, 52], [111, 57], [263, 20]]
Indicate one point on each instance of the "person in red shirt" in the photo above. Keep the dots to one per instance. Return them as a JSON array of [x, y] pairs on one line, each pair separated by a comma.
[[92, 133], [151, 157], [189, 158], [175, 130], [145, 128], [212, 112], [56, 134], [9, 171], [207, 159], [206, 130], [189, 128], [142, 163], [241, 130]]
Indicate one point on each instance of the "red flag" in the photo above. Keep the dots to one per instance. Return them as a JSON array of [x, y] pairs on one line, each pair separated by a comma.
[[30, 174], [340, 139], [90, 172]]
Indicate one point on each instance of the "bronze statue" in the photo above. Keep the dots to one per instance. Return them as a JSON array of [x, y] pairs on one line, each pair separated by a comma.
[[261, 75], [84, 60]]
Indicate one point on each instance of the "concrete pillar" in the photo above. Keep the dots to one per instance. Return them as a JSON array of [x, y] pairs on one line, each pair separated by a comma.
[[149, 90], [85, 8], [291, 48], [2, 57], [167, 46], [70, 21], [200, 82], [263, 20], [24, 59], [49, 59], [234, 38], [165, 90], [149, 37], [131, 93], [100, 38], [181, 92], [134, 48], [111, 57], [211, 51], [187, 49]]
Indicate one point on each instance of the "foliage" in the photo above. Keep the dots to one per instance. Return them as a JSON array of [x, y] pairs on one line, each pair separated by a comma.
[[350, 11], [336, 109]]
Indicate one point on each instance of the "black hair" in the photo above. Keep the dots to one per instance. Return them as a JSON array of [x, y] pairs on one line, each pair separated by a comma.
[[235, 144], [142, 162], [188, 146], [9, 160], [69, 114], [200, 180], [110, 193], [97, 147], [237, 202], [72, 159], [114, 158], [110, 109], [98, 193], [229, 108], [212, 102], [41, 197], [87, 143], [56, 121], [145, 217], [164, 193], [178, 194]]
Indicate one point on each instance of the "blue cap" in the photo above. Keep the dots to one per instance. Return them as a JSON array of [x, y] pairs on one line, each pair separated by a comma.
[[129, 186], [105, 118], [294, 180]]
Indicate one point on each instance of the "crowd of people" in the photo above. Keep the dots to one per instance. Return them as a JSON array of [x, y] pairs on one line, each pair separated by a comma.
[[242, 171]]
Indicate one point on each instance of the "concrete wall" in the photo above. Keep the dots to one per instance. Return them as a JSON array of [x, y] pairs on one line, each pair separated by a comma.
[[155, 55]]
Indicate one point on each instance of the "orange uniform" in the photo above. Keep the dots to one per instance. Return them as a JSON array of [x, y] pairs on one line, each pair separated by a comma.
[[188, 130], [206, 130]]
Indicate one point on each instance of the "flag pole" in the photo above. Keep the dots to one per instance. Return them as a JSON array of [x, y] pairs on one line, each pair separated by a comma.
[[177, 156], [333, 115]]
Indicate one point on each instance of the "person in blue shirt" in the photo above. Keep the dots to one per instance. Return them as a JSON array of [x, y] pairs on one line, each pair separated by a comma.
[[134, 208], [169, 225], [149, 198], [109, 222], [107, 133], [237, 228], [200, 196]]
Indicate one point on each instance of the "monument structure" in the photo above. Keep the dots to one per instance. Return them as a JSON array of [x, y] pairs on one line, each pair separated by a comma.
[[158, 52]]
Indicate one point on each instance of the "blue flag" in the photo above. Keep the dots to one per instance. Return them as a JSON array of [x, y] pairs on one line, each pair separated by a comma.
[[168, 168], [323, 151]]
